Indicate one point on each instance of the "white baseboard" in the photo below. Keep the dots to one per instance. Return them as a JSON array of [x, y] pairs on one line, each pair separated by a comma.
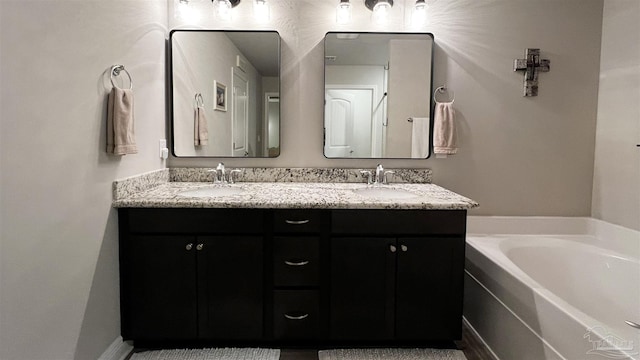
[[118, 350]]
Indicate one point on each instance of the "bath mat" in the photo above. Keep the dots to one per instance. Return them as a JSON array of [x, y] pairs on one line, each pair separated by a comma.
[[391, 354], [209, 354]]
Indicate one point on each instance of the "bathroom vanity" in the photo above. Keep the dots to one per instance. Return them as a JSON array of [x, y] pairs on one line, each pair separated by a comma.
[[292, 263]]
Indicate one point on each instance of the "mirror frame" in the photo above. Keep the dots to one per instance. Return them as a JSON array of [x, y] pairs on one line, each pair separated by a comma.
[[431, 90], [170, 104]]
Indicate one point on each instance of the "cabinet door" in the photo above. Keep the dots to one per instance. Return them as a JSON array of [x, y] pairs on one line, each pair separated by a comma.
[[159, 288], [429, 288], [362, 288], [230, 284]]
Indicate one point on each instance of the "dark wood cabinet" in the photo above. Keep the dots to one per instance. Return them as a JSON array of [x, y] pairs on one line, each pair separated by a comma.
[[159, 287], [362, 288], [403, 288], [230, 287], [429, 277], [203, 286], [255, 276]]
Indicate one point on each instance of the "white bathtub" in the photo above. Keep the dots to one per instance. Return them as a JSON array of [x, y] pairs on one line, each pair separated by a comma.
[[553, 288]]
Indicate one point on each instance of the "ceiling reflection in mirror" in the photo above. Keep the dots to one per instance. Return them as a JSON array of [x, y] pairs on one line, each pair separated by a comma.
[[378, 90], [225, 93]]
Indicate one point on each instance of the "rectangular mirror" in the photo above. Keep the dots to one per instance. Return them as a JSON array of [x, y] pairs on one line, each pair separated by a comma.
[[377, 94], [225, 93]]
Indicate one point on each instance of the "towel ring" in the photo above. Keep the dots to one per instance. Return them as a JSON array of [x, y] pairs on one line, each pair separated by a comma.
[[199, 100], [115, 71], [442, 89]]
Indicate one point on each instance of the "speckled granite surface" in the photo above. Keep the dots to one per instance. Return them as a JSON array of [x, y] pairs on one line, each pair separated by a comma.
[[283, 188], [315, 175], [133, 185], [296, 195]]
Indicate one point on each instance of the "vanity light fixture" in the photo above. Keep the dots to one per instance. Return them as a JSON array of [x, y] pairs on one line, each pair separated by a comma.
[[419, 13], [380, 8], [343, 12], [222, 8], [261, 10], [184, 10]]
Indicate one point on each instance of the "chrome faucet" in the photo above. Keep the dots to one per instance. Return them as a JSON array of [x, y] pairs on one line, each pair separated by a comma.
[[220, 175], [379, 174], [377, 177]]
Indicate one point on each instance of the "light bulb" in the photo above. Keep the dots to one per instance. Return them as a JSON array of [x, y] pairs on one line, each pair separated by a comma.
[[419, 13], [261, 10], [381, 12], [343, 12], [184, 10], [223, 9]]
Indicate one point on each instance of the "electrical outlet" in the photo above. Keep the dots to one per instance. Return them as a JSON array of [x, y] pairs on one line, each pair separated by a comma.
[[162, 148]]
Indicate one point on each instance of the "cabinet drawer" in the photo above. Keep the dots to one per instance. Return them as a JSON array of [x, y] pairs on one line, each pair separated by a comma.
[[296, 261], [296, 314], [297, 221], [193, 221], [399, 222]]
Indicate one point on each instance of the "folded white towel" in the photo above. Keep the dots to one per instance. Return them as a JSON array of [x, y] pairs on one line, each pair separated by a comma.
[[420, 138], [200, 132], [121, 137], [444, 129]]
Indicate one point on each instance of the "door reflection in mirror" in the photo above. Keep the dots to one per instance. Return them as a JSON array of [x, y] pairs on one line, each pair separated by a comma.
[[234, 71], [374, 82]]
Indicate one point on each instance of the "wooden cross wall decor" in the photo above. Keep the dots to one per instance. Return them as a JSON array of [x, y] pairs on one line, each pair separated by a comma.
[[531, 65]]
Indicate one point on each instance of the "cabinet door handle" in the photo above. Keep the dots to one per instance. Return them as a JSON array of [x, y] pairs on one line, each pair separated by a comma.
[[296, 317], [296, 222], [404, 248], [189, 246], [296, 263], [199, 247], [392, 248]]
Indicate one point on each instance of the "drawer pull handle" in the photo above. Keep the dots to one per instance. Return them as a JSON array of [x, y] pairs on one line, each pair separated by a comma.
[[632, 324], [296, 263], [296, 317], [296, 222], [189, 247]]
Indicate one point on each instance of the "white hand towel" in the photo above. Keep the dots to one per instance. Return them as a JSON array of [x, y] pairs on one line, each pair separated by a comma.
[[201, 131], [420, 138], [121, 137], [444, 129]]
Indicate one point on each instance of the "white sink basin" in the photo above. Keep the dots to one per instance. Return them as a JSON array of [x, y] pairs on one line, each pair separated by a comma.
[[385, 193], [217, 191]]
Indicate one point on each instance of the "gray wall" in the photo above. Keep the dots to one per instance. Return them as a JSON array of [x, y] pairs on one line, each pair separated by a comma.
[[616, 185], [518, 156], [58, 239]]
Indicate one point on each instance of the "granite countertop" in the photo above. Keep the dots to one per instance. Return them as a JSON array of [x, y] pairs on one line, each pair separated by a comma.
[[309, 195]]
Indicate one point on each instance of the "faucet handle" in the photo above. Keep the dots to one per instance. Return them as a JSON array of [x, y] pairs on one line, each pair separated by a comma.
[[367, 173], [215, 174], [385, 180], [232, 176]]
